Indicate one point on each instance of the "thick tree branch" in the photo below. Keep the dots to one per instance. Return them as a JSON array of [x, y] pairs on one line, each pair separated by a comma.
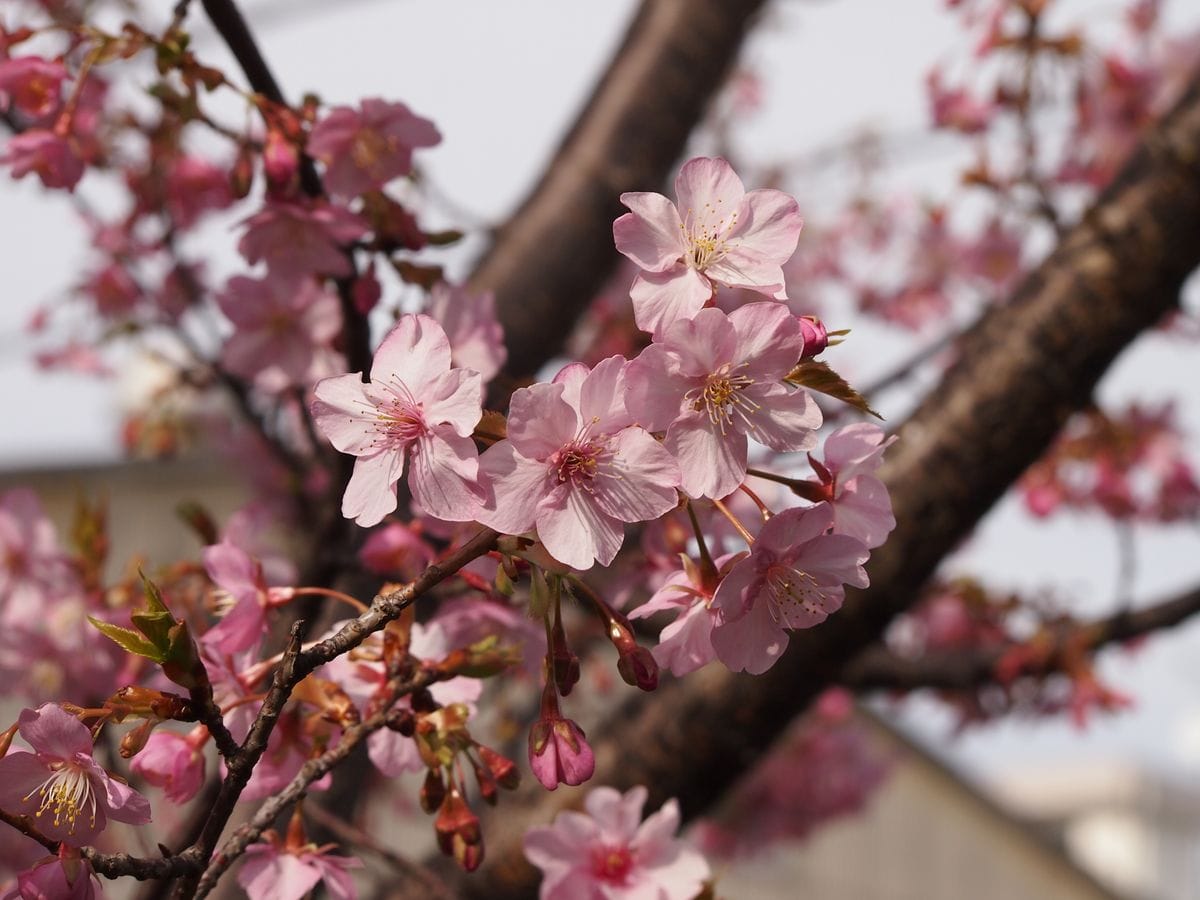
[[1021, 371], [556, 251], [964, 670]]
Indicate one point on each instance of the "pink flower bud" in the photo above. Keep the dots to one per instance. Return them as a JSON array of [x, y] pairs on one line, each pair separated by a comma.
[[559, 753], [281, 164], [816, 338]]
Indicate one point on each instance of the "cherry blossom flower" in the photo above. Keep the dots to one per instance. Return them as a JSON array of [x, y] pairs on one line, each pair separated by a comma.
[[51, 157], [415, 406], [605, 854], [793, 578], [293, 240], [575, 466], [246, 595], [194, 186], [31, 85], [173, 762], [476, 338], [274, 871], [33, 567], [283, 329], [717, 235], [715, 379], [861, 506], [365, 148], [63, 877], [66, 793]]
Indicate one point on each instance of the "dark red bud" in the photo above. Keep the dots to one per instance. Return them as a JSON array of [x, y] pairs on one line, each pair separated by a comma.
[[433, 790]]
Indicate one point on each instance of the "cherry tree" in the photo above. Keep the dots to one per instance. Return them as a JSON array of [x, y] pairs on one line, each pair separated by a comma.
[[472, 521]]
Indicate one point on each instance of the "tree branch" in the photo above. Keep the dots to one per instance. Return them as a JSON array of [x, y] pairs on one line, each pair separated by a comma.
[[555, 252], [1021, 371], [878, 667]]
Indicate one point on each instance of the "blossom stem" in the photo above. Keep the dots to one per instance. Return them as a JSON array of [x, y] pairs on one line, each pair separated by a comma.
[[707, 566], [735, 522], [762, 507], [336, 595]]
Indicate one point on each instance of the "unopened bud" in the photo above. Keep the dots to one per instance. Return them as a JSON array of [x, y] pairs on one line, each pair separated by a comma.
[[563, 659], [816, 338], [433, 790], [402, 721], [6, 738], [281, 164], [134, 741], [503, 769], [638, 668], [241, 176]]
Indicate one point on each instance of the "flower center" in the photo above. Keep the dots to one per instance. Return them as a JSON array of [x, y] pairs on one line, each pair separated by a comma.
[[706, 233], [721, 398], [580, 461], [612, 864], [66, 794], [792, 596], [399, 418], [369, 149]]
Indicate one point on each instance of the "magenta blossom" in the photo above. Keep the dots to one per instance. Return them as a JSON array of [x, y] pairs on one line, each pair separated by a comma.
[[793, 578], [54, 159], [66, 793], [173, 762], [274, 871], [293, 240], [365, 148], [559, 752], [283, 328], [715, 380], [243, 598], [605, 854], [716, 235], [31, 85], [575, 466], [415, 406]]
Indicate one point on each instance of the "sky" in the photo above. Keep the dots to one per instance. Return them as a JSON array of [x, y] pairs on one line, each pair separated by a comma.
[[502, 81]]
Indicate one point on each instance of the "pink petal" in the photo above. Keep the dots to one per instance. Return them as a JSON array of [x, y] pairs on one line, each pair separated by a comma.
[[685, 645], [52, 731], [393, 754], [345, 414], [793, 527], [864, 511], [707, 182], [752, 643], [787, 420], [516, 484], [711, 464], [661, 298], [769, 224], [443, 475], [414, 352], [652, 234], [574, 529], [768, 339], [540, 421], [454, 397], [602, 396], [371, 493], [654, 388], [855, 449], [640, 482]]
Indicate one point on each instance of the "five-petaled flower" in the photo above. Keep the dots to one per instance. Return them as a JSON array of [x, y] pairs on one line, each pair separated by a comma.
[[608, 852], [66, 793], [717, 235], [715, 379], [415, 409], [793, 578], [575, 466]]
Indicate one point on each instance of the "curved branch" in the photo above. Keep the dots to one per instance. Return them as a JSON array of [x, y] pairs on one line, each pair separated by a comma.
[[1021, 371], [964, 670], [556, 251]]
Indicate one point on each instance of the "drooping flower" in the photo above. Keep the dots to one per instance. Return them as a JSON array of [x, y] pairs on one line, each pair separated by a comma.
[[274, 871], [66, 793], [240, 579], [576, 467], [43, 152], [861, 506], [714, 380], [365, 148], [64, 877], [173, 762], [415, 406], [558, 749], [793, 578], [605, 854], [282, 328], [717, 234]]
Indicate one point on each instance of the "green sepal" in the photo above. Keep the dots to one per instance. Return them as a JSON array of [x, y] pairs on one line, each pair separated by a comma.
[[128, 639]]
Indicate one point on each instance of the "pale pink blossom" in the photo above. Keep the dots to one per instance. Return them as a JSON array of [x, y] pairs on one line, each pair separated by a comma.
[[860, 501], [274, 871], [289, 747], [793, 578], [608, 853], [715, 380], [575, 466], [396, 549], [243, 598], [52, 158], [717, 235], [469, 319], [194, 186], [294, 240], [34, 570], [365, 148], [282, 330], [415, 406], [65, 793], [173, 762], [31, 85]]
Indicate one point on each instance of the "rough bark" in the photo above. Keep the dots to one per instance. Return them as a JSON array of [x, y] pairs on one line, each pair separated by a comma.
[[555, 252], [1022, 370]]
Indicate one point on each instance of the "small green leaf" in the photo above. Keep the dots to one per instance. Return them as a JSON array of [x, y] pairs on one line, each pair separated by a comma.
[[817, 376], [128, 640]]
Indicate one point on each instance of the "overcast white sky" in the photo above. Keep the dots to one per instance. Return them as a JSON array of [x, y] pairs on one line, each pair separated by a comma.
[[501, 81]]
